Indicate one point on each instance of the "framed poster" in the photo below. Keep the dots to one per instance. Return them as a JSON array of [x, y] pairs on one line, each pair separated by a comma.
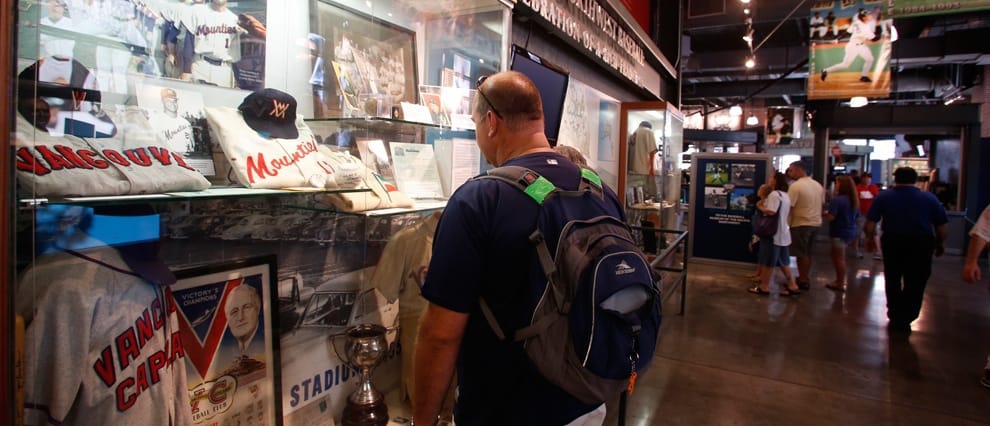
[[373, 62], [229, 337]]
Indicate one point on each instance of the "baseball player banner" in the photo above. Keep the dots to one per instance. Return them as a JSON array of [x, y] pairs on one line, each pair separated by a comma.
[[225, 322], [906, 8], [850, 49]]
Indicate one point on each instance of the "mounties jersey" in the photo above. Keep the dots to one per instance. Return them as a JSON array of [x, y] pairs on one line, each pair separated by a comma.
[[101, 346], [174, 133], [216, 34]]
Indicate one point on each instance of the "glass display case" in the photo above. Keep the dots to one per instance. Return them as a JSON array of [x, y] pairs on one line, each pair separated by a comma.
[[649, 179], [206, 193]]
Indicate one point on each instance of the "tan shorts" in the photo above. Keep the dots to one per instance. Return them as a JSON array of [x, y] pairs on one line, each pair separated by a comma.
[[802, 238]]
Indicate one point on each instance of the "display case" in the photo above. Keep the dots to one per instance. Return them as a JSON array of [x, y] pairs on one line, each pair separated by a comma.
[[154, 272], [649, 177]]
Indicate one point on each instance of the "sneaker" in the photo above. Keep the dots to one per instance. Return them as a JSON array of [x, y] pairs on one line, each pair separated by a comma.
[[824, 75], [865, 79], [985, 380]]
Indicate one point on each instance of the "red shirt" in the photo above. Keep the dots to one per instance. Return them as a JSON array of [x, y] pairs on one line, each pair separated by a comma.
[[866, 196]]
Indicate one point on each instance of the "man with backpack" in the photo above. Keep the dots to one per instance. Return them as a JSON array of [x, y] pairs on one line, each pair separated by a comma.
[[482, 282]]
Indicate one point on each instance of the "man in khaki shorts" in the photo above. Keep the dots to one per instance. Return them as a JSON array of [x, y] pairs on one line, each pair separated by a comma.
[[807, 198]]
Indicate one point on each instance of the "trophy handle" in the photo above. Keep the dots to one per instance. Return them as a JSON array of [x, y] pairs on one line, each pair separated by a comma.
[[332, 341]]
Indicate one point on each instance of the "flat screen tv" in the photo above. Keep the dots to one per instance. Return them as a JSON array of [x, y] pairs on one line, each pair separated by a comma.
[[550, 80]]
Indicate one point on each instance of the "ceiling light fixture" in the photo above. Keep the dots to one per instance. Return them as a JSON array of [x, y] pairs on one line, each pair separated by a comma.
[[750, 62], [746, 11], [735, 111], [744, 1], [752, 120], [858, 101]]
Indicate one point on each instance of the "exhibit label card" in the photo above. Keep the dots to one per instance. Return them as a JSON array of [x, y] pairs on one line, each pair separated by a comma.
[[415, 169]]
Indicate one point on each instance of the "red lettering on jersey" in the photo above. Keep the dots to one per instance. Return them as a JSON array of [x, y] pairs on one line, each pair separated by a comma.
[[115, 157], [55, 161], [170, 307], [161, 154], [27, 163], [258, 167], [87, 156], [175, 350], [104, 367], [157, 316], [127, 348], [181, 162], [125, 402], [142, 378], [138, 156], [71, 155], [157, 361], [145, 328]]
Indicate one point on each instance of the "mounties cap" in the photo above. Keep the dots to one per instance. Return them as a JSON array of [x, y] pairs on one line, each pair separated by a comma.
[[271, 112]]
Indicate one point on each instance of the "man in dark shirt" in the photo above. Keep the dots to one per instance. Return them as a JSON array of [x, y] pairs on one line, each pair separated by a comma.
[[914, 228], [482, 249]]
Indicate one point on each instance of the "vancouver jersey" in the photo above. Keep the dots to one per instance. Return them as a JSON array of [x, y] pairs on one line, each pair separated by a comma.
[[101, 345]]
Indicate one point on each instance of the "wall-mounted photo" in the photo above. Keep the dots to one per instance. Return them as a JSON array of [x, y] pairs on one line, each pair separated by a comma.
[[716, 174], [373, 65], [212, 43], [716, 198], [740, 199], [743, 174], [179, 123]]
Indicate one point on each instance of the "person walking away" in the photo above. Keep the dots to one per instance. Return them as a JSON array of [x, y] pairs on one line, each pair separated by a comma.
[[842, 213], [867, 191], [914, 229], [979, 239], [807, 198], [482, 249], [773, 251]]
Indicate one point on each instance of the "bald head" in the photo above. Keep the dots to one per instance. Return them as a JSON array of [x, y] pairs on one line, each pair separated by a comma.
[[508, 115], [514, 96]]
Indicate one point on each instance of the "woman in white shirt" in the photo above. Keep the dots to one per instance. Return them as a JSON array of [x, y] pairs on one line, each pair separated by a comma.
[[774, 252]]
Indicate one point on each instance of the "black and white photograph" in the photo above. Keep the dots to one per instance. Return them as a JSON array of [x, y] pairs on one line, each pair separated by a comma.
[[716, 198], [179, 123], [743, 174]]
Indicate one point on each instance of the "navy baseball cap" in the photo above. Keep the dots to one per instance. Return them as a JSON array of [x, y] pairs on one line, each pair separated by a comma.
[[271, 112]]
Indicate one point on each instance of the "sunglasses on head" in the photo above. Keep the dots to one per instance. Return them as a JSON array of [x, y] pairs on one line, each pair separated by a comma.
[[481, 80]]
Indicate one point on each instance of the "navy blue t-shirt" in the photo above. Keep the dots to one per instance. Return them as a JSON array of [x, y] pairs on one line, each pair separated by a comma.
[[907, 210], [481, 248], [844, 224]]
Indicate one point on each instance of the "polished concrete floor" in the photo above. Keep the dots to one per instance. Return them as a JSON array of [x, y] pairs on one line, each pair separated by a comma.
[[822, 358]]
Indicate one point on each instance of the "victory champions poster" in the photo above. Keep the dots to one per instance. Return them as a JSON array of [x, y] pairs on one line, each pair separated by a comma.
[[227, 336], [850, 49]]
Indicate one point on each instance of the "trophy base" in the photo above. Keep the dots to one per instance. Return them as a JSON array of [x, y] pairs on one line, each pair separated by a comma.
[[374, 414]]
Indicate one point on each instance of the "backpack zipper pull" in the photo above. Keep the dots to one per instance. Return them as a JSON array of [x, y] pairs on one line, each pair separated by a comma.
[[632, 383], [633, 358]]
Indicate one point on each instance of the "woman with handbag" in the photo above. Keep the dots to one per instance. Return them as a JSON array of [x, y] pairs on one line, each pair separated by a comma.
[[842, 212], [775, 237]]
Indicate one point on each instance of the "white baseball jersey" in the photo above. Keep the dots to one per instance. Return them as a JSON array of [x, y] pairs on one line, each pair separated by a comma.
[[399, 275], [174, 133], [861, 31], [217, 34], [56, 46], [101, 347]]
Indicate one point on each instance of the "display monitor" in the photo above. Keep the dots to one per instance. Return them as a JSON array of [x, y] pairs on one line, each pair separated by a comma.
[[550, 80]]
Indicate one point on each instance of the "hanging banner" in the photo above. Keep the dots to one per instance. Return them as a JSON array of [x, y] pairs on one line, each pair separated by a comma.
[[723, 199], [850, 49], [906, 8]]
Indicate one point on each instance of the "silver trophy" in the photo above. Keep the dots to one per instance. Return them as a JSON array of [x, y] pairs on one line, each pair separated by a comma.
[[364, 349]]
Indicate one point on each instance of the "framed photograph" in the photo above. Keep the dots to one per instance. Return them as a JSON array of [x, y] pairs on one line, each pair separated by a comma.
[[229, 336], [373, 64]]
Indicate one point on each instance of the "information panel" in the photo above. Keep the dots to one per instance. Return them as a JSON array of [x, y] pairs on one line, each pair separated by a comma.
[[723, 199]]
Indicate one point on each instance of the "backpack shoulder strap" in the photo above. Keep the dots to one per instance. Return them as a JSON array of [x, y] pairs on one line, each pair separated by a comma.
[[529, 182]]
